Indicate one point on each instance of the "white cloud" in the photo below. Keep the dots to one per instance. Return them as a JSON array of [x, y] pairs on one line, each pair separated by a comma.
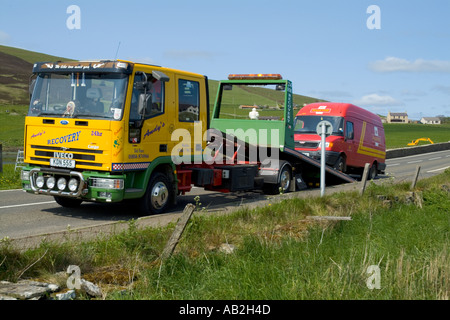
[[4, 37], [393, 64], [377, 100]]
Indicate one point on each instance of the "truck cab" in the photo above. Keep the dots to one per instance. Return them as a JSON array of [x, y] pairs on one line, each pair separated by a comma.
[[101, 130]]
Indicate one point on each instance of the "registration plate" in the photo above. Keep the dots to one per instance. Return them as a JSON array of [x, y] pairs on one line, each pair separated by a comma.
[[62, 163], [306, 154]]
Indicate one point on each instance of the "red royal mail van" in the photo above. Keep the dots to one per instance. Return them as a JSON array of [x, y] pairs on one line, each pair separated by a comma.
[[357, 138]]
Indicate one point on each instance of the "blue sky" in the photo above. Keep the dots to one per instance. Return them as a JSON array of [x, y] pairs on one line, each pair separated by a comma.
[[324, 47]]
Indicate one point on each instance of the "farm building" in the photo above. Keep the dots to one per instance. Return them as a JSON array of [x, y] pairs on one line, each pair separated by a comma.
[[397, 117]]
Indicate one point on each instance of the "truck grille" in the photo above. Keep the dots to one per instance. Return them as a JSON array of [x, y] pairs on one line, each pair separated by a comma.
[[84, 157]]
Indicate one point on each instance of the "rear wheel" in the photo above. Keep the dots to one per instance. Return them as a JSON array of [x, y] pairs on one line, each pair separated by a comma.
[[284, 184], [68, 202], [285, 179], [372, 172], [158, 196]]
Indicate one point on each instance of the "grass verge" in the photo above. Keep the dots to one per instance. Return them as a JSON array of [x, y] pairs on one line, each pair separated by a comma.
[[279, 253], [10, 178]]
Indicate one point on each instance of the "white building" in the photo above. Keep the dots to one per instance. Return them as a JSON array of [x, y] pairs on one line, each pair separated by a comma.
[[430, 120]]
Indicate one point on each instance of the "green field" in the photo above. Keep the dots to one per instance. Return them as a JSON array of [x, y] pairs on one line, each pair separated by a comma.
[[399, 135], [12, 123]]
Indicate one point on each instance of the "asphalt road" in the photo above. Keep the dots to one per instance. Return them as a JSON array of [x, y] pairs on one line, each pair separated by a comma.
[[24, 215]]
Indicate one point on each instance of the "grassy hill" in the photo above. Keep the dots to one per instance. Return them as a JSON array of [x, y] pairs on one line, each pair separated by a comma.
[[15, 71]]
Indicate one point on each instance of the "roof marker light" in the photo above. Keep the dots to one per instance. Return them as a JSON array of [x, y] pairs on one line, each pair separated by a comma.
[[255, 76]]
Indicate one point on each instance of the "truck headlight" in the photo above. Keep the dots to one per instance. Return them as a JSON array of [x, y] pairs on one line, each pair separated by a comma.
[[107, 183], [73, 184], [40, 181], [51, 182], [25, 175], [62, 183]]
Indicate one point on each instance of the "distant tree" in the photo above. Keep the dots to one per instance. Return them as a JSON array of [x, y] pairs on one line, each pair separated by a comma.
[[443, 118]]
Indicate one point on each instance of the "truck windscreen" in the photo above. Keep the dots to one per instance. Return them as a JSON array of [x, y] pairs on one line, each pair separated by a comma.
[[79, 95], [251, 101], [308, 124]]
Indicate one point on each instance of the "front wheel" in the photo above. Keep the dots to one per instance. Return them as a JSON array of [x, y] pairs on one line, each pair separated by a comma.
[[68, 202], [158, 195], [340, 164]]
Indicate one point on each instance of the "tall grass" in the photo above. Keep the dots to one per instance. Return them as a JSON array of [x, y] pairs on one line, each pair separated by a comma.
[[279, 254], [10, 178]]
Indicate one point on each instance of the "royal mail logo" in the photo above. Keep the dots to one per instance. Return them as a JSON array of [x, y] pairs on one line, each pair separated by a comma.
[[321, 110]]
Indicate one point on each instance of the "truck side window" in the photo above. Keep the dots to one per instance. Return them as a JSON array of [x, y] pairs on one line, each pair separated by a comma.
[[156, 106], [155, 102], [188, 100], [349, 133]]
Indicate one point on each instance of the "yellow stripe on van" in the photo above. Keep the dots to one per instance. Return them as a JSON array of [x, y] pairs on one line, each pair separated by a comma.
[[366, 150]]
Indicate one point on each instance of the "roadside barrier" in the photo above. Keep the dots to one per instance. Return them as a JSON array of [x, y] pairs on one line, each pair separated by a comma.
[[409, 151]]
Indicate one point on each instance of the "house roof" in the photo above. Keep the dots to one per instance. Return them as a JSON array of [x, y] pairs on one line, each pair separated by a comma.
[[401, 114], [431, 119]]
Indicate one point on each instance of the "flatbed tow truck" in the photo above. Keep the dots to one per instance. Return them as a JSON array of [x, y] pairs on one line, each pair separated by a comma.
[[108, 131]]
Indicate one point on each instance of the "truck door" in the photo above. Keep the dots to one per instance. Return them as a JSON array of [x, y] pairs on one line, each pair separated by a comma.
[[147, 119], [191, 115]]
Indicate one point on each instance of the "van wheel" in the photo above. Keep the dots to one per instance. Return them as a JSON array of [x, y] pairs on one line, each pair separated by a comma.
[[157, 197], [340, 164], [68, 202], [372, 172]]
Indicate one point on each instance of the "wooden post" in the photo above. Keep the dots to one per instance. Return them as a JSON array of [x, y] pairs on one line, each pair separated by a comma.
[[331, 218], [416, 177], [1, 159], [364, 179], [177, 233]]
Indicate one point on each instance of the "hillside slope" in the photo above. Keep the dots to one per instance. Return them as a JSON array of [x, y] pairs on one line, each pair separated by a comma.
[[14, 77], [15, 71]]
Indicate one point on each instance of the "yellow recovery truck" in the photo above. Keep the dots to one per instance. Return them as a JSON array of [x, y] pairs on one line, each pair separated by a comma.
[[107, 131]]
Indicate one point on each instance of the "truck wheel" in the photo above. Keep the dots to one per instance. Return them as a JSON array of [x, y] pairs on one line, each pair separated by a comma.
[[68, 202], [285, 179], [284, 182], [157, 197]]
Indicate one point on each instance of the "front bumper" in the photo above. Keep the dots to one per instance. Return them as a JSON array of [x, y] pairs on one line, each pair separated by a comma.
[[86, 186]]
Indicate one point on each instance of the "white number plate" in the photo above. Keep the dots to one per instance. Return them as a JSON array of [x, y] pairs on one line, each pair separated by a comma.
[[62, 163], [306, 154]]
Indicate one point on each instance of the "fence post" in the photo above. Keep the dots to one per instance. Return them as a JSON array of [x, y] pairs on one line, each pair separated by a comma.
[[416, 177], [1, 159], [364, 179], [176, 235]]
